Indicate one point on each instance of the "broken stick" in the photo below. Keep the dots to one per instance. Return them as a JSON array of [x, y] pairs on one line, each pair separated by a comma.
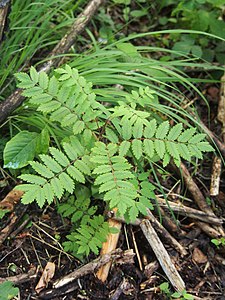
[[162, 256], [118, 254]]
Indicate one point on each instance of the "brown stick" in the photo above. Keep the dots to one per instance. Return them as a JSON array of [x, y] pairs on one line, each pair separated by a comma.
[[161, 230], [198, 196], [190, 212], [91, 267], [16, 99], [209, 230], [20, 278], [162, 255], [165, 234], [217, 162]]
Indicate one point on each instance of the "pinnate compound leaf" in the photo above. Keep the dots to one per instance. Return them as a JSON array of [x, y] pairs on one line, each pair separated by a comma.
[[102, 169], [34, 75], [138, 129], [70, 151], [83, 166], [33, 179], [184, 151], [53, 86], [30, 194], [166, 159], [197, 138], [150, 129], [126, 130], [78, 127], [172, 149], [48, 192], [75, 174], [111, 135], [205, 147], [20, 150]]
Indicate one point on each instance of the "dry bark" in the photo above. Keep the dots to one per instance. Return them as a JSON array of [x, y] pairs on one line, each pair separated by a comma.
[[162, 256], [189, 212], [21, 278], [16, 99], [93, 266]]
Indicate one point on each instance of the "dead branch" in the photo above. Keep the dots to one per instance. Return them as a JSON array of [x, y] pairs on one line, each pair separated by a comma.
[[93, 266], [217, 162], [13, 220], [162, 255], [16, 99], [125, 287], [195, 191], [189, 212], [161, 230], [198, 196], [4, 8], [209, 230], [20, 278]]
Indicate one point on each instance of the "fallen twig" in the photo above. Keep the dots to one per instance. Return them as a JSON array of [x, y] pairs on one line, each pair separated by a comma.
[[162, 256], [198, 197], [161, 230], [14, 219], [124, 288], [16, 99], [216, 169], [20, 278], [189, 212], [118, 254]]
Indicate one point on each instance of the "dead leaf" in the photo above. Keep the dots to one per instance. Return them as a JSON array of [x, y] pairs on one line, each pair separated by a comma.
[[198, 256], [11, 200], [47, 275]]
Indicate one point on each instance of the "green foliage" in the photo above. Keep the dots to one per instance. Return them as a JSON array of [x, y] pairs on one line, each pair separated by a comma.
[[105, 148], [205, 16], [3, 212], [89, 236], [56, 173], [8, 291], [164, 287], [78, 207], [218, 242], [23, 147]]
